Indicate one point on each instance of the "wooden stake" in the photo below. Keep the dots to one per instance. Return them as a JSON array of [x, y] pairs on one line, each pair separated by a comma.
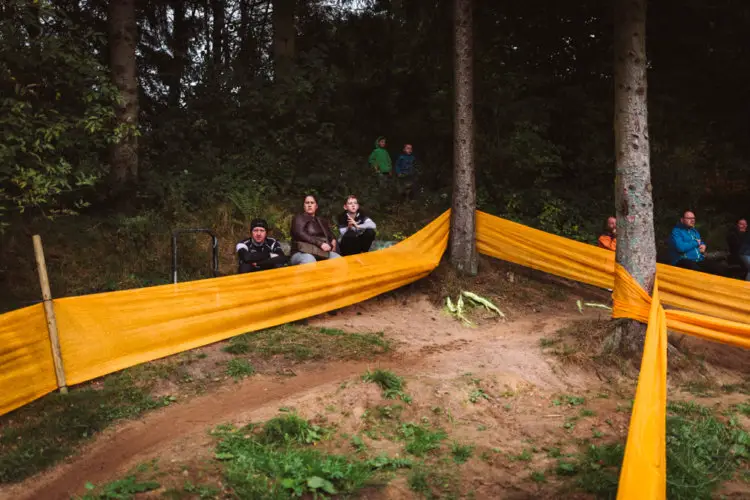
[[49, 312]]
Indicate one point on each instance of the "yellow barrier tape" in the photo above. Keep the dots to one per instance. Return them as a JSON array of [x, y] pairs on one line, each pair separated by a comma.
[[26, 368], [103, 333], [106, 332], [644, 468]]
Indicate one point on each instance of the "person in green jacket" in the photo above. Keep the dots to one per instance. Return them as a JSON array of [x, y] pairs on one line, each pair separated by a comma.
[[379, 159]]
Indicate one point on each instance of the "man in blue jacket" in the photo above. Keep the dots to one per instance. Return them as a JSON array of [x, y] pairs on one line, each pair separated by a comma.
[[686, 247]]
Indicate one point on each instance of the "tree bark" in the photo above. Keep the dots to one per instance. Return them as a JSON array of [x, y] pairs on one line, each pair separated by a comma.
[[123, 39], [636, 248], [179, 44], [217, 33], [284, 34], [463, 253]]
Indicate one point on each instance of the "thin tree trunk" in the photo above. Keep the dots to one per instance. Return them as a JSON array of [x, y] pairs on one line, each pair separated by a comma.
[[179, 42], [123, 38], [217, 33], [636, 248], [463, 253], [284, 34]]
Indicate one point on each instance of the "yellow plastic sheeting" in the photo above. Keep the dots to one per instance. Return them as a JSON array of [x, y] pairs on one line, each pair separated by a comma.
[[644, 468], [714, 296], [546, 252], [704, 293], [106, 332], [631, 301], [26, 368]]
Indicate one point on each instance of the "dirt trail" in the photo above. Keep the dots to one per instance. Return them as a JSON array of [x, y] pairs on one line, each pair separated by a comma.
[[432, 345]]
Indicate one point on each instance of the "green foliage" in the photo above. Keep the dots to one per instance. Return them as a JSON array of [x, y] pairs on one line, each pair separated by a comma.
[[303, 343], [57, 113], [278, 464], [461, 452], [420, 439], [391, 384], [46, 431], [239, 368], [122, 489]]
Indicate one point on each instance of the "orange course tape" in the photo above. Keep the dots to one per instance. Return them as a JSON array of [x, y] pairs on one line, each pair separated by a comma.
[[104, 333]]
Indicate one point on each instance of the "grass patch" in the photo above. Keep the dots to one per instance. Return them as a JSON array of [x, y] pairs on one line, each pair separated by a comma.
[[125, 488], [277, 461], [304, 343], [420, 439], [434, 483], [40, 434], [239, 368], [702, 452], [461, 452], [391, 384]]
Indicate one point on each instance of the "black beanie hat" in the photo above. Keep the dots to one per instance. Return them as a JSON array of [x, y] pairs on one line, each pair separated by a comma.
[[259, 223]]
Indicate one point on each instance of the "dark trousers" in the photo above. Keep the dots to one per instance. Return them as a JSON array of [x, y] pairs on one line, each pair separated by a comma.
[[704, 266], [353, 243]]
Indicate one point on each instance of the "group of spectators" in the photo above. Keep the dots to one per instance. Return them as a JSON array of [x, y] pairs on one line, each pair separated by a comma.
[[312, 238], [687, 249]]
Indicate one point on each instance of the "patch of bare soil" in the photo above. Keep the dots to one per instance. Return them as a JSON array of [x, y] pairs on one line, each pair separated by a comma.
[[493, 387]]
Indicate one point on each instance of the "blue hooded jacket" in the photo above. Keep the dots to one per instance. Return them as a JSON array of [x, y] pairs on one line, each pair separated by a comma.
[[405, 164], [683, 244]]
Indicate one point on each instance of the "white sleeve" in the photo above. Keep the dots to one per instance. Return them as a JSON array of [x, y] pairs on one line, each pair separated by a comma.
[[367, 224], [343, 230], [241, 246]]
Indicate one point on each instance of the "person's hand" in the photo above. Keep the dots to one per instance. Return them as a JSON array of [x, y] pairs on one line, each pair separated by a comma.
[[325, 247], [614, 232], [333, 245], [352, 222], [702, 248]]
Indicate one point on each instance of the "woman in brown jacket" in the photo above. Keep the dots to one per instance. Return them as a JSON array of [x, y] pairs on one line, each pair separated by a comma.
[[312, 239]]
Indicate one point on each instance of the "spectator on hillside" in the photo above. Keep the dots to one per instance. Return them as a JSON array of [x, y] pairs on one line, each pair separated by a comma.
[[380, 160], [735, 238], [259, 252], [357, 229], [608, 238], [312, 239], [405, 162], [686, 247], [744, 254]]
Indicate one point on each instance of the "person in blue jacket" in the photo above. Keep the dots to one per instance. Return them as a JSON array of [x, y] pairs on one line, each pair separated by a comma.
[[686, 247]]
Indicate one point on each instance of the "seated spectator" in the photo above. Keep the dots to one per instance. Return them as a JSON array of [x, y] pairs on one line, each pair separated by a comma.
[[734, 241], [608, 239], [686, 247], [357, 229], [744, 254], [312, 239], [259, 252]]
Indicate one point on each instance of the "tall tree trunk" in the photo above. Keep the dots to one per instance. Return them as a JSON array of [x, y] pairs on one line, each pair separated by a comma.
[[284, 33], [463, 252], [246, 61], [217, 33], [123, 39], [636, 248], [179, 44]]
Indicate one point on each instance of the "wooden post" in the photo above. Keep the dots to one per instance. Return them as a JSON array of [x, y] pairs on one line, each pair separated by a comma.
[[49, 312]]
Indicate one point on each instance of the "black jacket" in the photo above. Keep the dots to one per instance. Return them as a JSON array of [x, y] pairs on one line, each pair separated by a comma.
[[257, 257]]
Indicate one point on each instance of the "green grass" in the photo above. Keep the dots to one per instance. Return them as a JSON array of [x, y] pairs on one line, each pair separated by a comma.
[[391, 384], [278, 461], [461, 452], [125, 488], [239, 368], [42, 433], [433, 483], [304, 343], [420, 439], [702, 452]]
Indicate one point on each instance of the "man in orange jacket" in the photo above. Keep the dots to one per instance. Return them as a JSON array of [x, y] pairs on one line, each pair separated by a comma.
[[608, 239]]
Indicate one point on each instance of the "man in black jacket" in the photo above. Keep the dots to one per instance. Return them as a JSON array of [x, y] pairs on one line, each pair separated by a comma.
[[259, 252], [357, 229]]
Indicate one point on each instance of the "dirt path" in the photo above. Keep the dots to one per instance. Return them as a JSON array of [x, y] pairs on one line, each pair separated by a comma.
[[432, 346]]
